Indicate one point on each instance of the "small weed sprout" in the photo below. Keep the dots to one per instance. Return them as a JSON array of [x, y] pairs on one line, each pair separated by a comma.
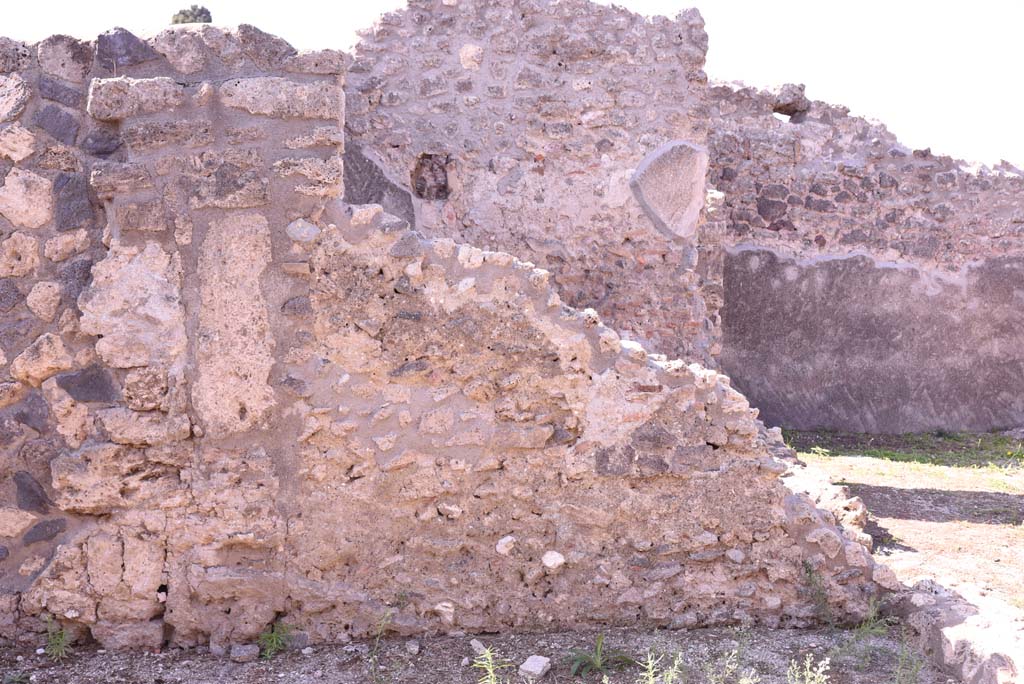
[[819, 594], [58, 642], [274, 639], [598, 660], [726, 670], [873, 625], [676, 672], [908, 664], [382, 627], [744, 636], [15, 678], [809, 673], [889, 539], [490, 665], [651, 671]]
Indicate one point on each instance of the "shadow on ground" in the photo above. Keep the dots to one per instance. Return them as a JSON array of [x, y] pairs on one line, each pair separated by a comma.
[[885, 543], [937, 505]]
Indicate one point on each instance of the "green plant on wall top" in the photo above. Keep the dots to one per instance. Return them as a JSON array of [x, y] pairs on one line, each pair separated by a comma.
[[195, 14]]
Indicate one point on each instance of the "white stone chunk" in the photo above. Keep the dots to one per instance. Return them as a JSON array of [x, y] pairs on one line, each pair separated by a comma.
[[505, 545], [26, 199], [302, 230], [535, 667], [16, 142], [552, 560]]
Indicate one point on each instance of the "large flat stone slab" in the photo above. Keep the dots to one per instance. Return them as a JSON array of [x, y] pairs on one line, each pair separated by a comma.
[[669, 185]]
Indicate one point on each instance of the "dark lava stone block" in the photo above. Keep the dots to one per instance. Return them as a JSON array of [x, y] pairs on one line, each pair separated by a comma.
[[44, 531], [90, 384]]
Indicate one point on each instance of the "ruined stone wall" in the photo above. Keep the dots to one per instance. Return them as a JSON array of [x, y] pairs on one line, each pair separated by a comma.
[[890, 278], [150, 192], [516, 124], [228, 398], [866, 286]]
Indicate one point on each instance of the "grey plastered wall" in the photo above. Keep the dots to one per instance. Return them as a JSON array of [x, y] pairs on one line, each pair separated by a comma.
[[866, 286], [848, 342]]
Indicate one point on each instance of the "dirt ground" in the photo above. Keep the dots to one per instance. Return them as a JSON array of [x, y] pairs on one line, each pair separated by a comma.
[[704, 655], [944, 506]]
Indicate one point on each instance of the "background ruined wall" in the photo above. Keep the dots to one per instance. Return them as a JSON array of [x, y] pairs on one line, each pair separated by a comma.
[[890, 278], [228, 398], [866, 286], [516, 124]]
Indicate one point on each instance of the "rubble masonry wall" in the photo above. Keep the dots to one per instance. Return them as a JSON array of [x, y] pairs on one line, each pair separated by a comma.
[[228, 397]]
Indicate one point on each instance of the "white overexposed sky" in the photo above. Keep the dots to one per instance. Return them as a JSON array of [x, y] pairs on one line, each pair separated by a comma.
[[941, 74]]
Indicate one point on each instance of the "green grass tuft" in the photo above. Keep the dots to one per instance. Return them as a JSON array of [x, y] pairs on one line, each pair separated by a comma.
[[908, 664], [58, 642], [274, 639], [814, 585], [598, 659], [957, 449]]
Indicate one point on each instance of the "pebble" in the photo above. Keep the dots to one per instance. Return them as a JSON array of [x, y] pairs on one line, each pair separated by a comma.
[[465, 662], [40, 651], [412, 647], [477, 646], [307, 651]]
